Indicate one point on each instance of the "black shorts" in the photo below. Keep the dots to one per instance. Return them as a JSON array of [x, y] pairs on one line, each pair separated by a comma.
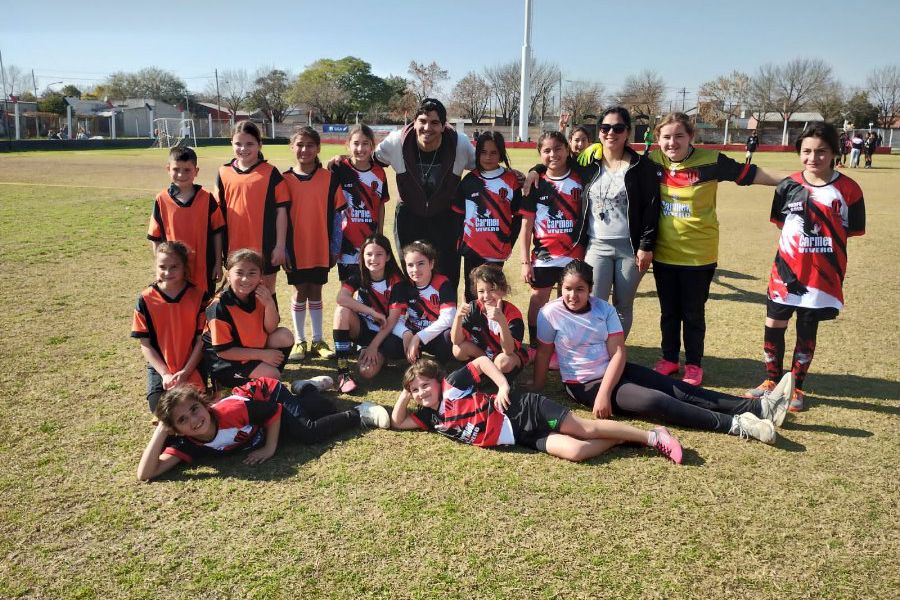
[[534, 417], [366, 335], [546, 277], [583, 393], [783, 312], [316, 275], [229, 374], [440, 347], [345, 271]]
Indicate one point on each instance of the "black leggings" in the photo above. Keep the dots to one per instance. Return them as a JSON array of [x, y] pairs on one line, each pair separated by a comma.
[[643, 392], [682, 293], [309, 417]]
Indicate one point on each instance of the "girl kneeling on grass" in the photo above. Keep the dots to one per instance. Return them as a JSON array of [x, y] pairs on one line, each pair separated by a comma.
[[490, 326], [451, 406], [242, 338], [362, 315], [816, 209], [168, 320], [252, 418], [587, 336]]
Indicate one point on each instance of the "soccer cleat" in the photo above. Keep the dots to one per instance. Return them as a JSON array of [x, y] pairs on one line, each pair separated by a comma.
[[346, 383], [747, 425], [759, 391], [320, 348], [798, 401], [374, 415], [666, 367], [666, 444], [554, 362], [321, 382], [693, 375], [298, 352]]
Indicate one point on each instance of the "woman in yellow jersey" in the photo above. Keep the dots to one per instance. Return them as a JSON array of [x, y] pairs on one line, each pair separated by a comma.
[[687, 242]]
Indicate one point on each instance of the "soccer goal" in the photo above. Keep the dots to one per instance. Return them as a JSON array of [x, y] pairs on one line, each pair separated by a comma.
[[174, 132]]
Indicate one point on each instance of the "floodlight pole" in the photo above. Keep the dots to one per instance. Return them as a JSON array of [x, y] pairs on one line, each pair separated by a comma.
[[524, 92]]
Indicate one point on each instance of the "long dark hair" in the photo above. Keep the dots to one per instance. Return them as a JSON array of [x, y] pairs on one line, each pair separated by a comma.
[[391, 267], [491, 136]]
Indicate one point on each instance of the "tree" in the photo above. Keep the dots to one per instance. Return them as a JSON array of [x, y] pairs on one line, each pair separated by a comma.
[[884, 93], [426, 79], [861, 112], [70, 91], [830, 103], [582, 99], [724, 97], [151, 82], [643, 93], [52, 102], [796, 84], [762, 92], [504, 81], [543, 78], [270, 93], [320, 86], [471, 96], [234, 89], [16, 81], [401, 100]]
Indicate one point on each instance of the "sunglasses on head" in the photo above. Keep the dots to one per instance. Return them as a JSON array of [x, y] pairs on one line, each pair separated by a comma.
[[617, 128]]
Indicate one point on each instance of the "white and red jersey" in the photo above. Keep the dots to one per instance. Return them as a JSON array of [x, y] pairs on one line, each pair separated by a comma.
[[240, 419], [366, 192], [426, 306], [466, 415], [485, 333], [579, 338], [489, 202], [376, 295], [815, 223], [556, 206]]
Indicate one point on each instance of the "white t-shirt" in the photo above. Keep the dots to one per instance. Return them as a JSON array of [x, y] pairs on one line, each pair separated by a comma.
[[580, 338]]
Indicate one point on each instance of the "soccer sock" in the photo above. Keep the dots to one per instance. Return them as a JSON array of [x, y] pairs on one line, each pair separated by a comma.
[[298, 316], [804, 350], [342, 346], [773, 352], [315, 315], [532, 335]]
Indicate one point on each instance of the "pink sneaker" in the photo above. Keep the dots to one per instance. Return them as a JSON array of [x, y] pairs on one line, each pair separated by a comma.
[[692, 375], [554, 362], [666, 444], [666, 367], [346, 383]]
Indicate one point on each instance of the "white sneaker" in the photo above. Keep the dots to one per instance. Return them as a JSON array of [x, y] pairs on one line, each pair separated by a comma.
[[747, 425], [322, 383], [374, 415], [775, 403]]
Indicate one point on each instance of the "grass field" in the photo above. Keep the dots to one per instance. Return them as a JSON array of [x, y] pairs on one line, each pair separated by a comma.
[[404, 515]]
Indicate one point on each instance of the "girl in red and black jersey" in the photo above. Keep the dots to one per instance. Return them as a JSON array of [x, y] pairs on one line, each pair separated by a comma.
[[168, 320], [817, 210], [427, 302], [363, 314], [490, 325], [488, 198], [242, 337]]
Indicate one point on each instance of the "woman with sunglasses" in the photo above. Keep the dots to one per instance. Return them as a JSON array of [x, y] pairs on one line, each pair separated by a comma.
[[623, 214], [621, 211]]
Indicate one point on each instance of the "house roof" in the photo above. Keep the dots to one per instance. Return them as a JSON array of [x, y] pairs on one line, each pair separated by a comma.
[[87, 108], [797, 117], [223, 109]]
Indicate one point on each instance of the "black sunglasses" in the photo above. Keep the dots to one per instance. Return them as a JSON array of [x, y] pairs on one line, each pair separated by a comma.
[[617, 128]]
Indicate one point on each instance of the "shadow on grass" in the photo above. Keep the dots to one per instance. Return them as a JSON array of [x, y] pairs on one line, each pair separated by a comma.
[[735, 293], [845, 431]]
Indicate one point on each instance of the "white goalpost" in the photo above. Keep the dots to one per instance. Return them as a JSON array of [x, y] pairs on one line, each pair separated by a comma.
[[174, 132]]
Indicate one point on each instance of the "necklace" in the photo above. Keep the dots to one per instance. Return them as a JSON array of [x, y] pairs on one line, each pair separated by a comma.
[[426, 172]]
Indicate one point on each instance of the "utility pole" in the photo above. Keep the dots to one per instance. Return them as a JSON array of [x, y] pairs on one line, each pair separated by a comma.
[[683, 92], [524, 92], [218, 97], [37, 125]]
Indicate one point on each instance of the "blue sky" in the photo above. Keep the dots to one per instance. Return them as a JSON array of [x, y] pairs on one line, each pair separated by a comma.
[[687, 43]]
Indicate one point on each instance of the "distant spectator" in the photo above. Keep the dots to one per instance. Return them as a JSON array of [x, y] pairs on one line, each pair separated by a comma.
[[52, 135], [856, 145], [752, 144], [869, 146], [81, 134]]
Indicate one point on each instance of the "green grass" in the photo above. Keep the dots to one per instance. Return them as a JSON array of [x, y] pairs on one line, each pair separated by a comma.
[[385, 514]]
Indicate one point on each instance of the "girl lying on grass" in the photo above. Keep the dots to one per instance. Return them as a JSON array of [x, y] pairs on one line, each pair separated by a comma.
[[252, 418], [450, 405]]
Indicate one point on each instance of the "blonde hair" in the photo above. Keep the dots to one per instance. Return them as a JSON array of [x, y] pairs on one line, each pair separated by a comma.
[[673, 118]]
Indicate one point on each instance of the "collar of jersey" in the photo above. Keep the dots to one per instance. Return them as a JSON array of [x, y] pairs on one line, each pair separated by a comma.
[[237, 169], [302, 176]]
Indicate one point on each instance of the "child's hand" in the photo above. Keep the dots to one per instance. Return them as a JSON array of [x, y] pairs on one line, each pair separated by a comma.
[[501, 400], [530, 180], [279, 256], [368, 359], [495, 313], [259, 456], [464, 311], [411, 347], [528, 272], [379, 318], [271, 356], [602, 406], [217, 270], [168, 381], [264, 294], [179, 378], [335, 161]]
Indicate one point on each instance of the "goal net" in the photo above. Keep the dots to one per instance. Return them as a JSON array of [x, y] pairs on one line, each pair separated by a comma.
[[174, 132]]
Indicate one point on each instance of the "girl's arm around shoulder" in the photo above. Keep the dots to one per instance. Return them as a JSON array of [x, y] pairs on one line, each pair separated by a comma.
[[153, 462], [400, 418]]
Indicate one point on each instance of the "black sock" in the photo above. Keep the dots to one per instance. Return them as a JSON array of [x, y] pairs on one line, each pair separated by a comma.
[[773, 352]]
